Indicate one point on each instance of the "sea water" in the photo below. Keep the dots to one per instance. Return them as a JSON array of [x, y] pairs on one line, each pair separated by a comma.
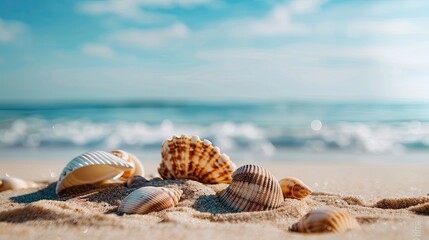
[[262, 130]]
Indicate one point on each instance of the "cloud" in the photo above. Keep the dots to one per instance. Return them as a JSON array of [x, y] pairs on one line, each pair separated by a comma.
[[388, 27], [98, 50], [136, 9], [9, 30], [138, 38], [278, 22]]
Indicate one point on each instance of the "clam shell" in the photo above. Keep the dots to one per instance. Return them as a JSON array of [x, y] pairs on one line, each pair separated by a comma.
[[150, 199], [190, 158], [253, 188], [12, 183], [137, 169], [91, 167], [294, 188], [325, 219]]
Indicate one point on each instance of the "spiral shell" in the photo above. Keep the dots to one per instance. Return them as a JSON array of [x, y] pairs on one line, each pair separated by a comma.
[[253, 188], [137, 169], [190, 158], [91, 167], [325, 219], [294, 188], [12, 183], [150, 199]]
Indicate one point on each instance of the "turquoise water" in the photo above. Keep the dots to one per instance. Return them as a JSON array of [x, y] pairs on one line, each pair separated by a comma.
[[262, 129]]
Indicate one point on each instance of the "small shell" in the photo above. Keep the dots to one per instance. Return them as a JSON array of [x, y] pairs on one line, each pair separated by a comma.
[[12, 183], [190, 158], [253, 188], [91, 167], [325, 219], [133, 180], [131, 159], [150, 199], [294, 188]]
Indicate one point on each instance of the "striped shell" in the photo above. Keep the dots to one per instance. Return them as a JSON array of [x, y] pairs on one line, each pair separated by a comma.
[[150, 199], [325, 219], [91, 167], [294, 188], [137, 169], [190, 158], [253, 188], [12, 183]]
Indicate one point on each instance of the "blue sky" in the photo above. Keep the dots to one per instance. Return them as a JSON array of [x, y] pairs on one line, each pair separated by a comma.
[[213, 50]]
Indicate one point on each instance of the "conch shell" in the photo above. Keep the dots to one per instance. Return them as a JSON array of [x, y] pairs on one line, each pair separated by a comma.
[[91, 168], [253, 188], [190, 158], [325, 219], [137, 169], [150, 199], [294, 188], [12, 183]]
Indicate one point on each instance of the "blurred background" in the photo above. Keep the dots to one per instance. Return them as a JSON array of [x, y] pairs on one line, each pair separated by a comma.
[[305, 80]]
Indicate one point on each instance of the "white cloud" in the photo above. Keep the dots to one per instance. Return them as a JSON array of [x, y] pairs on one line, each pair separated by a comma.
[[135, 9], [388, 27], [98, 50], [305, 6], [150, 38], [10, 29]]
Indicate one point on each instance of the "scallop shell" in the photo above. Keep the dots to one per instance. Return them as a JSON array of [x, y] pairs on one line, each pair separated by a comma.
[[294, 188], [91, 167], [137, 169], [12, 183], [150, 199], [190, 158], [253, 188], [325, 219]]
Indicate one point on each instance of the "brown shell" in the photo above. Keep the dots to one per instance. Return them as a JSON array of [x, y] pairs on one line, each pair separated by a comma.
[[190, 158], [325, 219], [137, 169], [12, 183], [294, 188], [253, 188], [150, 199]]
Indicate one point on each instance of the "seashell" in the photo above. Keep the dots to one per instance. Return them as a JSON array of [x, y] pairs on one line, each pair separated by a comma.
[[12, 183], [91, 167], [190, 158], [150, 199], [133, 180], [137, 169], [294, 188], [325, 219], [253, 188]]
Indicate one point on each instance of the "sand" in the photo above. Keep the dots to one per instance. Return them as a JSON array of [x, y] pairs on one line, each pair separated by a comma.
[[390, 201]]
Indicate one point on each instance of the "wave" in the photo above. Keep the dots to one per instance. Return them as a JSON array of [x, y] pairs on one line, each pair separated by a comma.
[[359, 137]]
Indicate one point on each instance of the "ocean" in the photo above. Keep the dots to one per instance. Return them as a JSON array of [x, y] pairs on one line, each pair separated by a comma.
[[299, 130]]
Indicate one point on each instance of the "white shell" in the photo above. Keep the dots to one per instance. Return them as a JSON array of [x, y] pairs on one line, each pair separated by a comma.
[[12, 183], [90, 168], [137, 169], [190, 158], [150, 199], [294, 188], [253, 188], [325, 219]]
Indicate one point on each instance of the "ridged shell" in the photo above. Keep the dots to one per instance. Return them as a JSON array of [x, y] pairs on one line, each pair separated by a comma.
[[150, 199], [91, 167], [325, 219], [137, 169], [190, 158], [253, 188], [12, 183], [294, 188]]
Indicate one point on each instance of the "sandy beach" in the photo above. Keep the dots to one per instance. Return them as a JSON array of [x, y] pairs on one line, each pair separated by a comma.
[[389, 201]]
